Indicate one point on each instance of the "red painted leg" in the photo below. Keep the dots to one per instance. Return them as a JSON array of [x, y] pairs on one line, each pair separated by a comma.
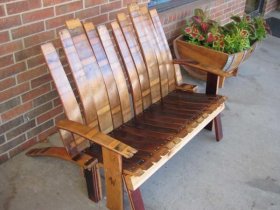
[[136, 200], [218, 128], [211, 89]]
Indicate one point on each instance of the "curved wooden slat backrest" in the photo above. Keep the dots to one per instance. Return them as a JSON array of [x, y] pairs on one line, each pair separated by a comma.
[[165, 64], [93, 75], [109, 67], [84, 88], [148, 53], [148, 29], [71, 107], [163, 42], [131, 40], [117, 70], [129, 67], [107, 74]]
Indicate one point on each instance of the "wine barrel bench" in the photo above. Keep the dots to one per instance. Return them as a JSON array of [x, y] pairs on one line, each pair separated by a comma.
[[132, 112]]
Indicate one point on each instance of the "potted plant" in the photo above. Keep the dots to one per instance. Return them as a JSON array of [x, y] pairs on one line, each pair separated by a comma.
[[222, 47]]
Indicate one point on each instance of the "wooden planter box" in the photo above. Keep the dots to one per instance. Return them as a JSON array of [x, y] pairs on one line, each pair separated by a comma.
[[209, 57]]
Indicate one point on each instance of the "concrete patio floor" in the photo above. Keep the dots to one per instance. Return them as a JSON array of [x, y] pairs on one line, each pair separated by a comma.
[[240, 172]]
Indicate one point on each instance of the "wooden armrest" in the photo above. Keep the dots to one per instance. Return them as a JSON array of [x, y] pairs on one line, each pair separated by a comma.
[[187, 87], [92, 134], [195, 64]]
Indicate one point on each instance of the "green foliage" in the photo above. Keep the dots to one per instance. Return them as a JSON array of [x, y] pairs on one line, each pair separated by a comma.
[[234, 37], [261, 28]]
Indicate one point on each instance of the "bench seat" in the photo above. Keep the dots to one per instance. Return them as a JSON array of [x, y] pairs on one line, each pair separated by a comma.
[[162, 129]]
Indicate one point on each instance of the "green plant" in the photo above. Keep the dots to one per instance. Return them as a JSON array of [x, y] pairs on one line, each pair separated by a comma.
[[234, 37]]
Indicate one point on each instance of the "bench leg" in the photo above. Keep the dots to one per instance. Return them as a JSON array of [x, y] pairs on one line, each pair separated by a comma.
[[135, 198], [112, 163], [211, 89], [218, 127], [92, 177]]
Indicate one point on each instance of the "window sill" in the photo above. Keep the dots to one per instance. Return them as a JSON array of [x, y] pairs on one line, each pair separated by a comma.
[[170, 5]]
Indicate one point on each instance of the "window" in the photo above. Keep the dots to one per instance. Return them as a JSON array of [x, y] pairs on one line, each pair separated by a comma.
[[254, 7], [156, 2], [163, 5]]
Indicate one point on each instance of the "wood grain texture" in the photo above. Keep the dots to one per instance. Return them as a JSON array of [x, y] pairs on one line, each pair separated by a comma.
[[187, 87], [160, 128], [166, 67], [131, 40], [208, 57], [92, 177], [118, 71], [113, 179], [156, 46], [129, 67], [97, 137], [202, 67], [84, 87], [61, 153], [93, 74], [107, 74], [133, 182], [70, 104], [172, 69], [147, 51]]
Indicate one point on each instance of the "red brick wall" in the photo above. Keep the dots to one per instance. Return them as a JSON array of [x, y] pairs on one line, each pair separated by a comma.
[[271, 5], [29, 105]]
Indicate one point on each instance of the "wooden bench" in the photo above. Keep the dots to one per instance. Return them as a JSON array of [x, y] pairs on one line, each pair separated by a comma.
[[131, 115]]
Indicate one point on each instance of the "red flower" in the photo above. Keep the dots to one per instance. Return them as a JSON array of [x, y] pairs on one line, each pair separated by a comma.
[[193, 35], [204, 26], [188, 30], [200, 38], [210, 37]]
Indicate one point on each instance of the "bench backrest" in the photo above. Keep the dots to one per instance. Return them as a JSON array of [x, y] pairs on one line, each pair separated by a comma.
[[142, 42], [99, 76], [73, 144]]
